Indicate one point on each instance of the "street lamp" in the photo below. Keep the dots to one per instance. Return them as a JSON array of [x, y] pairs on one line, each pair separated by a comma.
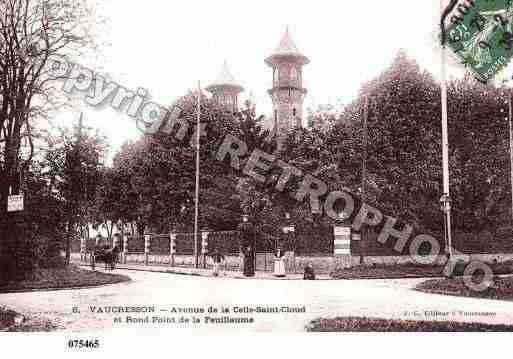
[[510, 115], [342, 216], [289, 227], [445, 137], [509, 119]]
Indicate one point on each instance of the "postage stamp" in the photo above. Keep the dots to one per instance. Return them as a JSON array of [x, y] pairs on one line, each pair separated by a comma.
[[480, 36]]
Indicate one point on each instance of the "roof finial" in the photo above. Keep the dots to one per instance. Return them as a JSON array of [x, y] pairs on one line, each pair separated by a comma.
[[287, 48], [225, 78]]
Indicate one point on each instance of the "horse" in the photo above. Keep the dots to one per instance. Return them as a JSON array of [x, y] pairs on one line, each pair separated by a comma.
[[107, 255]]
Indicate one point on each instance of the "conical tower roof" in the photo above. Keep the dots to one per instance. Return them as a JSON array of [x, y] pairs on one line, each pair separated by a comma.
[[225, 80], [286, 49]]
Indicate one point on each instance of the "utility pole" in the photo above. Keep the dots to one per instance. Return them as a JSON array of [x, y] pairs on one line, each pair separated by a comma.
[[445, 199], [364, 172], [276, 129], [510, 114], [196, 199]]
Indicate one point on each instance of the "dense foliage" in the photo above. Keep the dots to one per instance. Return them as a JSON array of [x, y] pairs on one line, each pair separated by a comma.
[[151, 182]]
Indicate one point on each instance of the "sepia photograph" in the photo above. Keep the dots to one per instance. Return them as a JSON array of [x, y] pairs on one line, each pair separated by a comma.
[[182, 168]]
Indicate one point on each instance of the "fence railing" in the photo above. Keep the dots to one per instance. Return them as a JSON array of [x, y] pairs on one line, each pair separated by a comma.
[[226, 242]]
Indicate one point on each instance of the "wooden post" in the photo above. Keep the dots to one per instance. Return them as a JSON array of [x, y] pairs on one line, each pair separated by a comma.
[[196, 191], [204, 247], [82, 248], [363, 246], [147, 239], [172, 249], [510, 114], [125, 249]]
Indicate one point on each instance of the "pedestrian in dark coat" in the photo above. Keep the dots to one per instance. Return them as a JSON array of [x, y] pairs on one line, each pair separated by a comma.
[[309, 272], [249, 261]]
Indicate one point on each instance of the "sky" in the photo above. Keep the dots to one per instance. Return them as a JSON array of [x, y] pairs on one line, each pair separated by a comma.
[[166, 47]]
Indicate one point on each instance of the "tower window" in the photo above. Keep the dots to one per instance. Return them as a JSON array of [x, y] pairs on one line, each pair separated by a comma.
[[294, 76], [284, 73], [294, 112]]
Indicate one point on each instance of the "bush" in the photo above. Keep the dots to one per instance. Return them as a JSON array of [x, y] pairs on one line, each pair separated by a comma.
[[362, 324], [25, 255]]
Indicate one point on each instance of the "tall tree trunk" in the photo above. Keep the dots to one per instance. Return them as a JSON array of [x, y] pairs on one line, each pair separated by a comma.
[[122, 233], [68, 241], [141, 226], [8, 230], [3, 230], [109, 232]]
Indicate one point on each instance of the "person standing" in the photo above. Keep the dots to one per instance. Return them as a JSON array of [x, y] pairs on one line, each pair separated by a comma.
[[309, 272], [217, 258], [247, 245], [279, 263], [249, 261]]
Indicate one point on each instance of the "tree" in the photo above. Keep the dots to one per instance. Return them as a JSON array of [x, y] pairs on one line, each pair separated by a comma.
[[104, 209], [480, 156], [74, 166], [32, 32], [404, 149], [404, 161], [157, 175]]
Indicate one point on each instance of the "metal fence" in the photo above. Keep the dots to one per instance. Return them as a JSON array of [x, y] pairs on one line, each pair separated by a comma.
[[160, 244], [184, 243], [135, 244], [226, 242]]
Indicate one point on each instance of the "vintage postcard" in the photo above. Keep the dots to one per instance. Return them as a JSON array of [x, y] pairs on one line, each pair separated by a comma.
[[226, 167]]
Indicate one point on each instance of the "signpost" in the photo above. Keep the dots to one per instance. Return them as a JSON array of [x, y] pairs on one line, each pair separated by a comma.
[[342, 241], [288, 229], [15, 203]]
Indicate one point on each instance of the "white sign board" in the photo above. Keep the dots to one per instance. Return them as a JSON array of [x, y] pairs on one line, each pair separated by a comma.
[[342, 251], [289, 229], [15, 203], [342, 240], [342, 231]]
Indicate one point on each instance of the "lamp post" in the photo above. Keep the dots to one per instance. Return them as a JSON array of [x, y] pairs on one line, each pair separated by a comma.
[[445, 199], [510, 114], [509, 119], [289, 226], [196, 191], [364, 172]]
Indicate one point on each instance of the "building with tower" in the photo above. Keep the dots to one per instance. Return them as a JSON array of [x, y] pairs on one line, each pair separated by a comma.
[[287, 92], [225, 89]]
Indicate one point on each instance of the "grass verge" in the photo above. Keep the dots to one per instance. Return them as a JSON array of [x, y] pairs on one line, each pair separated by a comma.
[[362, 324], [57, 278], [71, 276], [383, 271], [13, 322], [502, 288]]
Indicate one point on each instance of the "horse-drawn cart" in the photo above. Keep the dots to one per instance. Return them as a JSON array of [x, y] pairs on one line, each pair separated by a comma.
[[107, 255]]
